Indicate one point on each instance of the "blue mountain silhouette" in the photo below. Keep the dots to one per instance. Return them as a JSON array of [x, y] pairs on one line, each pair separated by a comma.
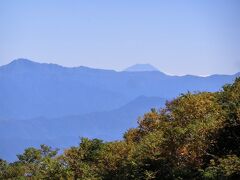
[[52, 104]]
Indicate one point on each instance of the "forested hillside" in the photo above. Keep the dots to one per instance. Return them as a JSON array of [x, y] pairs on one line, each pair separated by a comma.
[[196, 136]]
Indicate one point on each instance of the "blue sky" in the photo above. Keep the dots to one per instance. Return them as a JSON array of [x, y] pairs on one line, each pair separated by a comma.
[[177, 37]]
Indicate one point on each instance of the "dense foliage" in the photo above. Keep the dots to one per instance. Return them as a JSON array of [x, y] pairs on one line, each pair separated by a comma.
[[196, 136]]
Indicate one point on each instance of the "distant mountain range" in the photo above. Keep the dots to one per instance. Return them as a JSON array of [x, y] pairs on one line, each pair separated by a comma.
[[48, 103], [15, 134]]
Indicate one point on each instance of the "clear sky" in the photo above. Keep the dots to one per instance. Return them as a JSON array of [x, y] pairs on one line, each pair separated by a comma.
[[176, 36]]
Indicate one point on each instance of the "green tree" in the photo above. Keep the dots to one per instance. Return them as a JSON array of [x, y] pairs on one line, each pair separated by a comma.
[[82, 160]]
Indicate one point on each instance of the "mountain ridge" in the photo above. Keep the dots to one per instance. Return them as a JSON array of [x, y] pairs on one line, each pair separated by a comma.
[[34, 95], [65, 131], [31, 89], [25, 61]]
